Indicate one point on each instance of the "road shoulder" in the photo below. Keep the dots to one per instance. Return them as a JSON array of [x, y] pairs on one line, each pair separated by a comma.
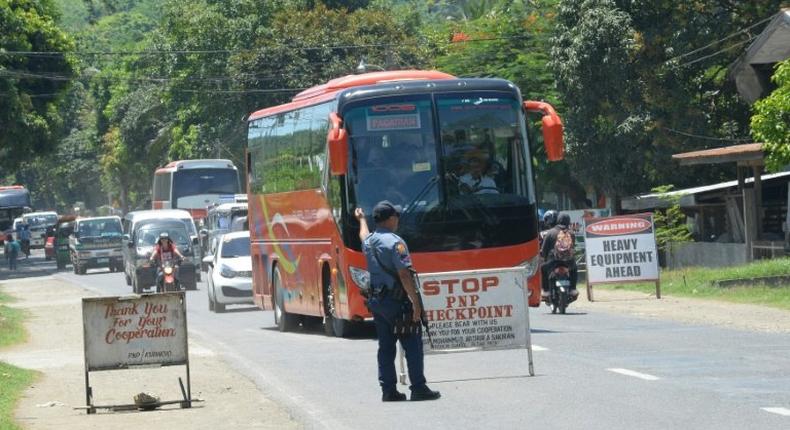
[[55, 349], [688, 310]]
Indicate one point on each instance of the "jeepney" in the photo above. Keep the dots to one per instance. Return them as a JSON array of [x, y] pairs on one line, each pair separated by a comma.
[[96, 242]]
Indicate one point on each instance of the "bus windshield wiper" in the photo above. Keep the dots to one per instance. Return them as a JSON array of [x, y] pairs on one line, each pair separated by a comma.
[[427, 187]]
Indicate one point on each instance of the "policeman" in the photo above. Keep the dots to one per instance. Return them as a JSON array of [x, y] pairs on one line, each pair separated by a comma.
[[393, 298]]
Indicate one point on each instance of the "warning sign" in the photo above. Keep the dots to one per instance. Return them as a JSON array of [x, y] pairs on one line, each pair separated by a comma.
[[143, 330], [621, 248], [483, 309]]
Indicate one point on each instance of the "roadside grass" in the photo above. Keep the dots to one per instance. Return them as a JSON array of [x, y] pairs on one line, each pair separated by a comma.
[[698, 282], [13, 380], [11, 329]]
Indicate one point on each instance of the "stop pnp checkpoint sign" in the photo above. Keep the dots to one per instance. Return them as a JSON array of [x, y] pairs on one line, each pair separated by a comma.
[[480, 309]]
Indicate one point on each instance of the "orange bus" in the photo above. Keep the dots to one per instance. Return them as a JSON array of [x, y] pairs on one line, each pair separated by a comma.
[[193, 185], [454, 152]]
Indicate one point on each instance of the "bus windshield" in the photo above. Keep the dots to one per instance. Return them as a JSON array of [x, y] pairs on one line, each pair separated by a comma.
[[465, 185], [199, 182]]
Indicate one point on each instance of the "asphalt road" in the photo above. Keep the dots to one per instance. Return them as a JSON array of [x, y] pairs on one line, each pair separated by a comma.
[[593, 371]]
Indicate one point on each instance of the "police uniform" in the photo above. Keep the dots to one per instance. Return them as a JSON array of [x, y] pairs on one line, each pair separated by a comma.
[[386, 253]]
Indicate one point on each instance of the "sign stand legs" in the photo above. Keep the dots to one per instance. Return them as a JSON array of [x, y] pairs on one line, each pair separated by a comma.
[[658, 289], [529, 332], [589, 292], [89, 395]]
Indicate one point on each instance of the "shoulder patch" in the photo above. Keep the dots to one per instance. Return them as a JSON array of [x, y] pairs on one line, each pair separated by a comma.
[[400, 247]]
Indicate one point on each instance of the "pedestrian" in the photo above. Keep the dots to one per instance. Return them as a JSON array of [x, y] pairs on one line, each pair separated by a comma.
[[11, 251], [24, 237], [394, 299]]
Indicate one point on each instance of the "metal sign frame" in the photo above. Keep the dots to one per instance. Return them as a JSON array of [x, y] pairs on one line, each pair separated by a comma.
[[187, 400]]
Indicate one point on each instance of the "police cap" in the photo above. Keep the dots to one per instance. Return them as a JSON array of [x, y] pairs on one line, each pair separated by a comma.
[[384, 210]]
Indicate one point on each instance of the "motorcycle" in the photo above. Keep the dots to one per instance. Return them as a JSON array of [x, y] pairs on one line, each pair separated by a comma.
[[169, 281], [560, 289]]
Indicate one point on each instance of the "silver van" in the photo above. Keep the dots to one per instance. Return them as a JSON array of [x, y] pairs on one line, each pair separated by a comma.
[[132, 219]]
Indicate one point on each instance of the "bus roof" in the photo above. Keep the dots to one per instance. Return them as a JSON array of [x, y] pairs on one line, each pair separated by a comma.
[[197, 164], [11, 187], [327, 91]]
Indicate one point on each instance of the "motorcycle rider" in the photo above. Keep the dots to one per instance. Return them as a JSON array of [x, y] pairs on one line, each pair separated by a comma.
[[548, 222], [550, 258], [165, 250]]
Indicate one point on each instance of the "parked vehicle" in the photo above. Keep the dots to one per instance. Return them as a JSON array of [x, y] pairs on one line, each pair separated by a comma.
[[140, 246], [63, 229], [133, 219], [220, 220], [38, 223], [96, 242], [230, 272]]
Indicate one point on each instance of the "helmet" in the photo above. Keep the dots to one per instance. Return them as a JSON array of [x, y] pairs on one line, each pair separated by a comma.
[[164, 236], [550, 218], [564, 219]]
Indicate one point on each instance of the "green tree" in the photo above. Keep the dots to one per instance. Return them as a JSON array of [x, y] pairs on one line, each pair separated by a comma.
[[594, 48], [771, 120], [29, 118]]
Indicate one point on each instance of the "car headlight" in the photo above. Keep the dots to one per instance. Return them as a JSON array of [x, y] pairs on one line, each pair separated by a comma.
[[226, 272], [361, 277], [531, 266]]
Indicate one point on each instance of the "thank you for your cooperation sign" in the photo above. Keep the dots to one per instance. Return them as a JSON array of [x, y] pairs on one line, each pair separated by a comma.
[[123, 332]]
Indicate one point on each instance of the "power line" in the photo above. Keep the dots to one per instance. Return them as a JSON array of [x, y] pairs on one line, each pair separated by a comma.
[[241, 51], [729, 48], [742, 30], [698, 136]]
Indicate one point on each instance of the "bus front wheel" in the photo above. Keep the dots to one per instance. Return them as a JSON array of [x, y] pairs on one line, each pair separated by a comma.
[[333, 325], [284, 320]]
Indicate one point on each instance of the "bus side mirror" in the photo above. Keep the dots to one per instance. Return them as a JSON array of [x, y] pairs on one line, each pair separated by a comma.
[[337, 140], [552, 129]]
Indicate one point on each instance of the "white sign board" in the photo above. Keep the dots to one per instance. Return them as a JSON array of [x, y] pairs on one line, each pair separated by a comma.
[[482, 309], [621, 249], [146, 330]]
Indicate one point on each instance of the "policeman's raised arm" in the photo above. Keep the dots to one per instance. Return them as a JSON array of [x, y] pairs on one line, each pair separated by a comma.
[[364, 231]]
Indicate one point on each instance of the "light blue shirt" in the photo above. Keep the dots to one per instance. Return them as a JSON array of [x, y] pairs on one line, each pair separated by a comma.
[[392, 252]]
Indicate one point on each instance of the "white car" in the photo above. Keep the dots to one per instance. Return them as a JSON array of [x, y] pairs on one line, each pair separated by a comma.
[[230, 272]]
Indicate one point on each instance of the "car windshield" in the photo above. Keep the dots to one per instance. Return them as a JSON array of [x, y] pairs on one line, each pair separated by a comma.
[[235, 247], [193, 182], [463, 186], [149, 234], [100, 227]]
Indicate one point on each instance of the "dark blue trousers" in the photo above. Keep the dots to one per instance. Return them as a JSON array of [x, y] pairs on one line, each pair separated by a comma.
[[385, 311]]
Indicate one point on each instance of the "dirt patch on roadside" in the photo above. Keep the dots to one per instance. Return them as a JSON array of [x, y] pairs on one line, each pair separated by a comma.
[[688, 310], [55, 349]]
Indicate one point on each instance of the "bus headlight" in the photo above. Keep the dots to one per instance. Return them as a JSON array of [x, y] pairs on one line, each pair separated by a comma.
[[531, 266], [361, 277]]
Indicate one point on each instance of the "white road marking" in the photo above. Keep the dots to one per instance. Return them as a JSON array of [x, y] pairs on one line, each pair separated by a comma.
[[539, 348], [779, 411], [635, 374]]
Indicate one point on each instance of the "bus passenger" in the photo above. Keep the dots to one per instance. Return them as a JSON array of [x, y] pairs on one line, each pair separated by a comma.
[[393, 298]]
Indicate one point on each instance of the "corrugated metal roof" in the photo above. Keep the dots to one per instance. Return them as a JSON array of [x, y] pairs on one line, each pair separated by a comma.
[[657, 200]]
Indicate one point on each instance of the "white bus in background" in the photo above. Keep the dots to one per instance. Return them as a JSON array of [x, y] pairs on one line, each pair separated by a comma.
[[193, 185]]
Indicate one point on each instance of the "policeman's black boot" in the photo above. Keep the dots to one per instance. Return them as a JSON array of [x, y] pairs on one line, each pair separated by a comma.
[[424, 393], [393, 396]]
